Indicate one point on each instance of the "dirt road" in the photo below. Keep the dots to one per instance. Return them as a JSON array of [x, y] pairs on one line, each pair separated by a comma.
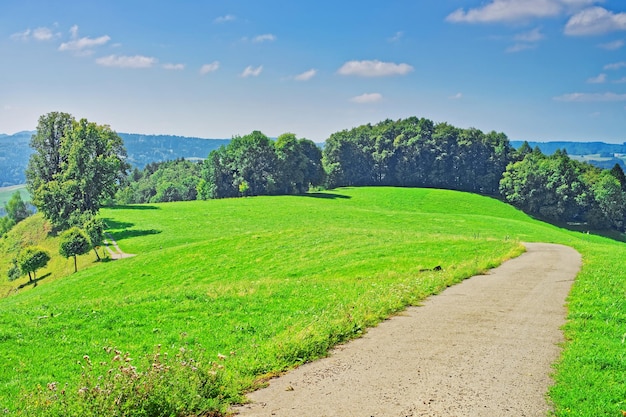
[[481, 348]]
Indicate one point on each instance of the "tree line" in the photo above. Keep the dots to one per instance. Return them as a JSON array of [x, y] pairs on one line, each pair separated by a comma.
[[77, 166]]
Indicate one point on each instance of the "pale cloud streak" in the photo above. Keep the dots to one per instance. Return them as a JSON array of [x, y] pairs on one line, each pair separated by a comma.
[[367, 98], [457, 96], [123, 61], [83, 46], [612, 46], [396, 37], [250, 71], [224, 19], [268, 37], [591, 97], [595, 21], [174, 67], [39, 34], [208, 68], [374, 68], [534, 35], [615, 66], [306, 75], [600, 79]]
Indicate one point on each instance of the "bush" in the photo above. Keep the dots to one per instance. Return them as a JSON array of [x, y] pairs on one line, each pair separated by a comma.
[[175, 387]]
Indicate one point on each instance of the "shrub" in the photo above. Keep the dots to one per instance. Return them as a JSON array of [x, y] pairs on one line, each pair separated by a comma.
[[175, 387]]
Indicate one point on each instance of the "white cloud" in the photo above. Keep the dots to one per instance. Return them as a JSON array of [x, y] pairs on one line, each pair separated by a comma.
[[457, 96], [268, 37], [615, 66], [44, 34], [251, 71], [212, 67], [374, 68], [174, 67], [620, 81], [591, 97], [516, 10], [306, 75], [84, 45], [595, 21], [367, 98], [612, 46], [39, 34], [123, 61], [224, 19], [600, 79]]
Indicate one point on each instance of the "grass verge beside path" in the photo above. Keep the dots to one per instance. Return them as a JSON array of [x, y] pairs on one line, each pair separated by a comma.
[[271, 282]]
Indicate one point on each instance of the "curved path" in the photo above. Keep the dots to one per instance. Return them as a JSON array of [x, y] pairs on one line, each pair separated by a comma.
[[483, 347]]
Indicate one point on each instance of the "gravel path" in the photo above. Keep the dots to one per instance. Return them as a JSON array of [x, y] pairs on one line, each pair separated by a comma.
[[483, 347]]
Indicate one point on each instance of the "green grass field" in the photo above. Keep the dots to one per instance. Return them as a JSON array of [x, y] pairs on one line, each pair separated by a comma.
[[271, 282]]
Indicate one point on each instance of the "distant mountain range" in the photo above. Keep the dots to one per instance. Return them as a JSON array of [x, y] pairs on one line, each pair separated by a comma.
[[141, 149]]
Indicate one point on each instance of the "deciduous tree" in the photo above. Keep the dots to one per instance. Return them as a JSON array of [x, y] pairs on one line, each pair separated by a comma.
[[74, 242], [75, 167], [31, 259]]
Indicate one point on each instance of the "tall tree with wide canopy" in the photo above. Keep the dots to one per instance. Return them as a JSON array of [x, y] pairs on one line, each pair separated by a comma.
[[75, 167]]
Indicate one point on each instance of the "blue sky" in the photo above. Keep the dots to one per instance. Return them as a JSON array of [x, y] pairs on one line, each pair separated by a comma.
[[537, 70]]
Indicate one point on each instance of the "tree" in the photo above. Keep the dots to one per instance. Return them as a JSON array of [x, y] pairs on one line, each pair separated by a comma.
[[74, 242], [31, 259], [16, 208], [16, 211], [94, 228], [76, 166]]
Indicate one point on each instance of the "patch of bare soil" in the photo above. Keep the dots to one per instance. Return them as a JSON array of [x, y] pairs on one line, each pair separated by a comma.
[[481, 348]]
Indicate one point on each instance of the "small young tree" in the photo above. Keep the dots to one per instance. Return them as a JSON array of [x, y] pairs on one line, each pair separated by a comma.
[[14, 271], [16, 208], [31, 259], [74, 242], [95, 230]]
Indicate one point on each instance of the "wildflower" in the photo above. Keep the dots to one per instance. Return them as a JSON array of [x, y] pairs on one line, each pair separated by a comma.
[[221, 357], [52, 386]]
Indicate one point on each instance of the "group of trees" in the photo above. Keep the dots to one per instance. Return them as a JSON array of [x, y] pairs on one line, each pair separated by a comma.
[[161, 182], [76, 166], [416, 152], [560, 189], [256, 165]]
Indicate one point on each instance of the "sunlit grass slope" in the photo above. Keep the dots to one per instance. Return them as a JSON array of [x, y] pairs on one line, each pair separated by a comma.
[[277, 280]]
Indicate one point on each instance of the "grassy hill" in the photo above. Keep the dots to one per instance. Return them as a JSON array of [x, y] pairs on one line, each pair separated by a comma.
[[270, 282]]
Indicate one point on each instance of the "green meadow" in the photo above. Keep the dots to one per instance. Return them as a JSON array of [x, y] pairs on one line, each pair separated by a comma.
[[263, 284]]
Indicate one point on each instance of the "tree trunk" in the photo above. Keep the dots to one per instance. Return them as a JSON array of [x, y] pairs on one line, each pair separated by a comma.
[[75, 267], [97, 255], [30, 278]]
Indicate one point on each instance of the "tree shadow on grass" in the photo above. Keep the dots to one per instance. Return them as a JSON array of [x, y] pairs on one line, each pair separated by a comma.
[[34, 282], [134, 207], [330, 196], [116, 225], [128, 233]]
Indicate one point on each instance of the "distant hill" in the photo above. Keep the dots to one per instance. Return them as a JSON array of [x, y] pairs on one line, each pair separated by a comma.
[[600, 154], [142, 149]]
